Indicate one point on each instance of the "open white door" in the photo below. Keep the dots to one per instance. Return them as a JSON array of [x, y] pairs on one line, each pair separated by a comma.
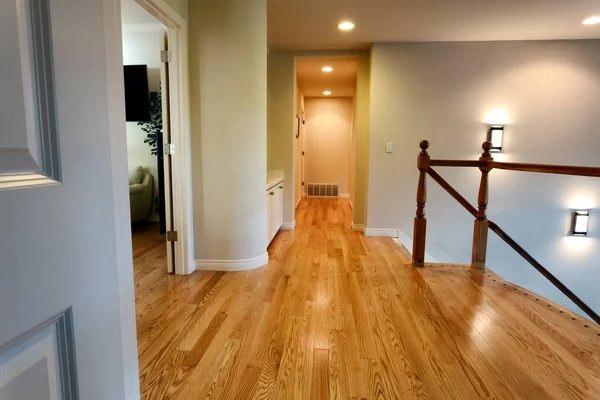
[[65, 252], [168, 150]]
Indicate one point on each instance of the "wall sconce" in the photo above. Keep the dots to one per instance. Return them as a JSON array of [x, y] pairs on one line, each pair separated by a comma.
[[580, 223], [495, 134]]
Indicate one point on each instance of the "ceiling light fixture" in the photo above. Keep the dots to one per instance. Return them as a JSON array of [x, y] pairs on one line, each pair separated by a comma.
[[327, 69], [327, 93], [591, 21], [345, 26]]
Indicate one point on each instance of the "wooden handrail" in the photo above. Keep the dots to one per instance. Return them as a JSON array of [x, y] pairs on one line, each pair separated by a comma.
[[457, 196], [523, 167], [486, 163], [547, 274], [454, 163], [546, 169]]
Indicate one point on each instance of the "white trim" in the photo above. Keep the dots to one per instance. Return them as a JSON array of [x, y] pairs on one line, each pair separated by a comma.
[[407, 242], [344, 195], [149, 27], [181, 166], [351, 205], [118, 154], [358, 227], [163, 12], [298, 202], [288, 226], [232, 265], [393, 233]]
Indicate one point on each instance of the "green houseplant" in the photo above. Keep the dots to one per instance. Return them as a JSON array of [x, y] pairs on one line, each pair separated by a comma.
[[154, 127]]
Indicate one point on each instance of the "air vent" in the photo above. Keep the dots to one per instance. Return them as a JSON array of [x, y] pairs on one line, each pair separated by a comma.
[[323, 190]]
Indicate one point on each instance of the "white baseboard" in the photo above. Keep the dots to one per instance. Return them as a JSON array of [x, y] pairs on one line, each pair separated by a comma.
[[289, 226], [358, 227], [381, 232], [344, 195], [232, 265], [298, 202], [351, 205], [408, 243]]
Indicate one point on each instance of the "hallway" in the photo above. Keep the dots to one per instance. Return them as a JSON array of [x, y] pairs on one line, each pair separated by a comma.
[[339, 315]]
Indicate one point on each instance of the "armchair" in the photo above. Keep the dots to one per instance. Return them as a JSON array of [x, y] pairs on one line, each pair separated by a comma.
[[140, 194]]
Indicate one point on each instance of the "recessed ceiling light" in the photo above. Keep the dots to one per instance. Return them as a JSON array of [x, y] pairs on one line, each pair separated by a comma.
[[327, 93], [591, 21], [346, 26], [327, 69]]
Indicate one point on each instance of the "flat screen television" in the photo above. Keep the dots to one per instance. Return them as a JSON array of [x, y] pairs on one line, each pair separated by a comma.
[[137, 94]]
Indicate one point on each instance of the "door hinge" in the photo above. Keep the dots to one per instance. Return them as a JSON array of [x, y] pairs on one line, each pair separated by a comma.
[[302, 153], [169, 149], [165, 56], [302, 183], [171, 236]]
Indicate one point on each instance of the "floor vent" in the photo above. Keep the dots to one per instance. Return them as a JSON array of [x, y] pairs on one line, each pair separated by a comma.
[[323, 190]]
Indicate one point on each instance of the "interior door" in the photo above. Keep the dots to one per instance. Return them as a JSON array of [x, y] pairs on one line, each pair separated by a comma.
[[64, 210], [167, 150]]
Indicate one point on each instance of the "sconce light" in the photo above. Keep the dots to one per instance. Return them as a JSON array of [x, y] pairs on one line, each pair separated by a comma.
[[580, 223], [495, 134]]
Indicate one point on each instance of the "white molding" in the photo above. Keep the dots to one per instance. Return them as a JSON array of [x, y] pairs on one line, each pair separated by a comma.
[[344, 195], [376, 232], [181, 165], [120, 196], [358, 227], [163, 12], [351, 205], [288, 226], [34, 158], [232, 265], [298, 202], [407, 242], [148, 27]]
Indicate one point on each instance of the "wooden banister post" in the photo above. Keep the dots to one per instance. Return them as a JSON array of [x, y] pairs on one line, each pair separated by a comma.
[[480, 231], [419, 233]]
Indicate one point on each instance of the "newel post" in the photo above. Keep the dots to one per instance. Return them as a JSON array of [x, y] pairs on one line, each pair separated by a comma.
[[480, 231], [419, 233]]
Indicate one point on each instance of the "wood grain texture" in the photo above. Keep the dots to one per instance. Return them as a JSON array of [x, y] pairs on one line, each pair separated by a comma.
[[339, 315]]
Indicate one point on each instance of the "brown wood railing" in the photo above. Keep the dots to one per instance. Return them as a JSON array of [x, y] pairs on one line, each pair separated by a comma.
[[482, 224]]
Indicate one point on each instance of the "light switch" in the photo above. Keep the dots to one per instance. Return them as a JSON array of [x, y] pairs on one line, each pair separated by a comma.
[[388, 147]]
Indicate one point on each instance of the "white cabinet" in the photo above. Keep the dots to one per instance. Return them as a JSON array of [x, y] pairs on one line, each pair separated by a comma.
[[274, 210]]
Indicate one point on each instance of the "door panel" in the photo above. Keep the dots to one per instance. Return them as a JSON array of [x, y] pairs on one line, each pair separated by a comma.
[[270, 214], [29, 139], [40, 364], [58, 243]]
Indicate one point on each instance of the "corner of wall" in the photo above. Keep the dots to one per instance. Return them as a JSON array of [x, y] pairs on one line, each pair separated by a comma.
[[361, 184]]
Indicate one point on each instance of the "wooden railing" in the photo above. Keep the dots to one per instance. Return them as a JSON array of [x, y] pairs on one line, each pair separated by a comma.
[[482, 224]]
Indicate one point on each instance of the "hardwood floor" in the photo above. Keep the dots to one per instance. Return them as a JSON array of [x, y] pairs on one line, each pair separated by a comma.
[[336, 315]]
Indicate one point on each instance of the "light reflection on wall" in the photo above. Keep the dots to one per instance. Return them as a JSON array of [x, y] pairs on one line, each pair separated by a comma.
[[577, 245], [497, 117], [581, 201]]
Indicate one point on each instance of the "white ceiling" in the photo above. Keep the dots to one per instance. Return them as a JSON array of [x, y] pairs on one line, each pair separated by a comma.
[[341, 81], [311, 24]]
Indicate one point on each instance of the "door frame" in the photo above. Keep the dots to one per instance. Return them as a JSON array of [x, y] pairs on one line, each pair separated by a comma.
[[181, 181]]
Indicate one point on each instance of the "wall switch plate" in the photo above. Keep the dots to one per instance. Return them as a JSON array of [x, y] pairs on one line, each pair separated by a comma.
[[388, 147]]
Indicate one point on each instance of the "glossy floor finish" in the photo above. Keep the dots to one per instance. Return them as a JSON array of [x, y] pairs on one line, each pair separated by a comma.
[[336, 315]]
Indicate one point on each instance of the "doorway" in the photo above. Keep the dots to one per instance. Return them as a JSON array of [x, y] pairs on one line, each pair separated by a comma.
[[154, 53], [326, 89]]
